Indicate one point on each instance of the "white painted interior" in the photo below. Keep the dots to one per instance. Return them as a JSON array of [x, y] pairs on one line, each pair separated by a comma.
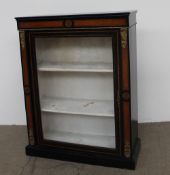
[[74, 50], [77, 106], [81, 129], [153, 41], [83, 139]]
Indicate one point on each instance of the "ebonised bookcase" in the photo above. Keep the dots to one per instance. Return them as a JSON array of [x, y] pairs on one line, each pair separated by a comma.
[[80, 86]]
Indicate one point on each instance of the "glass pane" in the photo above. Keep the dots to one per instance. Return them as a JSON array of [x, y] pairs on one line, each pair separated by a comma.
[[75, 76]]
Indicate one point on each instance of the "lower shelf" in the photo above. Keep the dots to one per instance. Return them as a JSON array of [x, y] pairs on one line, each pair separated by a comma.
[[84, 139]]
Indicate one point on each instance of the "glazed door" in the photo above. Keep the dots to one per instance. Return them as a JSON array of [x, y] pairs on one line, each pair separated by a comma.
[[77, 87]]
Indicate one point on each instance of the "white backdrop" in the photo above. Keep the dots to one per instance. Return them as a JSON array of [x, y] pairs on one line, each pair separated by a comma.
[[153, 39]]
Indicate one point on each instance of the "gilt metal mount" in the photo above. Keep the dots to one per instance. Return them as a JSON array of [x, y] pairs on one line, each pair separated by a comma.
[[31, 136], [127, 151], [123, 34], [22, 39]]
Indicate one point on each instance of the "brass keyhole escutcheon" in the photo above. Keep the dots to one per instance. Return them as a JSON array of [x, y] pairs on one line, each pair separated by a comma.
[[68, 23]]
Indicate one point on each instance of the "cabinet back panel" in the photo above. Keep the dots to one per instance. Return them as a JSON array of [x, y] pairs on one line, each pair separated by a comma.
[[86, 130], [76, 85], [93, 125], [78, 106], [74, 50]]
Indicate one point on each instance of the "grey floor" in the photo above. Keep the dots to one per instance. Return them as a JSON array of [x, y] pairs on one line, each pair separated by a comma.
[[154, 158]]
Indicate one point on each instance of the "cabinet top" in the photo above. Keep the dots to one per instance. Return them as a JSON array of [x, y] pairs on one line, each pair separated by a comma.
[[129, 18], [84, 15]]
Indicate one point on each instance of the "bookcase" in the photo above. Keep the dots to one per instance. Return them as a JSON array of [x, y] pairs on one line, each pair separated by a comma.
[[80, 86]]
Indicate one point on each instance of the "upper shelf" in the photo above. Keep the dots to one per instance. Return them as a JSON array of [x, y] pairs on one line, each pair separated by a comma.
[[75, 67]]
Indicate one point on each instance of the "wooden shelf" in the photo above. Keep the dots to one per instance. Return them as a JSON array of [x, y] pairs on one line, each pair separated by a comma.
[[103, 108], [76, 67], [85, 139]]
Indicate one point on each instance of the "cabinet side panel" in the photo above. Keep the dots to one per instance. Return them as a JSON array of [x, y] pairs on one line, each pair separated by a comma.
[[133, 84], [132, 19]]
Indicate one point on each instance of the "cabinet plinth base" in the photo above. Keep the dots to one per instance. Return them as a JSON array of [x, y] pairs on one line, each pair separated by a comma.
[[75, 156]]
